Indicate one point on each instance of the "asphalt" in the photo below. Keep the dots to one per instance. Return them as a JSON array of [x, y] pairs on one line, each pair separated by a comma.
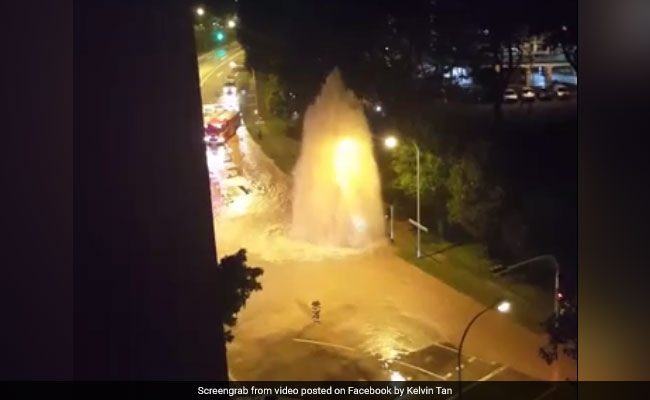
[[269, 348], [213, 71]]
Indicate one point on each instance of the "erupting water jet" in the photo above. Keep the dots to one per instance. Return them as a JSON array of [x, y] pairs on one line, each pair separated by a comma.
[[336, 192]]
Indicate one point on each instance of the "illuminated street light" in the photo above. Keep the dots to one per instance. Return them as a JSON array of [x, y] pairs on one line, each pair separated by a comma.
[[232, 23], [200, 11], [378, 108], [390, 142], [503, 306]]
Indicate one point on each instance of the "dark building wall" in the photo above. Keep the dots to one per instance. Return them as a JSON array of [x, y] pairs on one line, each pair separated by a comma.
[[145, 289]]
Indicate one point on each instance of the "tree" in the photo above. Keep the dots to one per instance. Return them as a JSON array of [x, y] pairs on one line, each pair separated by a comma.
[[276, 98], [238, 281], [560, 28], [472, 202], [562, 332], [432, 181], [431, 171]]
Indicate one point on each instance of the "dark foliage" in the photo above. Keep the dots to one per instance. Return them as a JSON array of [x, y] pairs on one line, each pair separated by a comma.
[[562, 333], [238, 281]]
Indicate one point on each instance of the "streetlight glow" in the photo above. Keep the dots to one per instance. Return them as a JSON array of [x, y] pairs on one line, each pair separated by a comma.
[[378, 108], [200, 11], [504, 307], [232, 23], [390, 142]]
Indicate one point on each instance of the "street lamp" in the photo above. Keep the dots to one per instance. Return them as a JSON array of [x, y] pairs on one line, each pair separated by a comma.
[[557, 296], [503, 306], [232, 23], [391, 142], [200, 11]]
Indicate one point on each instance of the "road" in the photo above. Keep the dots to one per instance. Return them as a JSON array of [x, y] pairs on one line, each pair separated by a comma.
[[381, 317], [213, 71]]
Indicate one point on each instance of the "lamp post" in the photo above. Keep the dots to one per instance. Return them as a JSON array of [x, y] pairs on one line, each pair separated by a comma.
[[391, 142], [417, 168], [503, 306], [200, 11], [556, 265]]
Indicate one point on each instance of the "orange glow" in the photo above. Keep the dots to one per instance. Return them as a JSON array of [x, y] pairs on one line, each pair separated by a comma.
[[347, 169]]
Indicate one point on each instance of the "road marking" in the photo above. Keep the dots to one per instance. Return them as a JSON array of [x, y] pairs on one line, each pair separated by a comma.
[[445, 347], [323, 344], [471, 359], [216, 67], [486, 377], [493, 373], [405, 364]]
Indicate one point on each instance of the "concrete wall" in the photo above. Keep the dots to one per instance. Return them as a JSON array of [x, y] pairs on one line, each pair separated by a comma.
[[145, 290]]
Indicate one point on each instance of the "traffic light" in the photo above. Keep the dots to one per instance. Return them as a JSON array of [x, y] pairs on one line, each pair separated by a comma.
[[219, 36]]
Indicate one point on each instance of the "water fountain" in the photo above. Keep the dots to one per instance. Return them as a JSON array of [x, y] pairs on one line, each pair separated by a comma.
[[336, 191]]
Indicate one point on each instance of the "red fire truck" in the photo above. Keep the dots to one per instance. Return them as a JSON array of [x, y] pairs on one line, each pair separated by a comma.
[[221, 127], [221, 130]]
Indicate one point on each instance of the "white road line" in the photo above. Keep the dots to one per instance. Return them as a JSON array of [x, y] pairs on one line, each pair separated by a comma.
[[493, 373], [323, 344], [485, 378], [216, 67], [473, 358], [445, 347], [405, 364]]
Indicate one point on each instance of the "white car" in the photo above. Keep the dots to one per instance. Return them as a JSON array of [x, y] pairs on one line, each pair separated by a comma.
[[510, 95], [562, 92], [527, 94]]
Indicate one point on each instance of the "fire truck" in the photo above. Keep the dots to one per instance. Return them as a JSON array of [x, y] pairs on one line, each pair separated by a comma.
[[221, 130], [221, 127]]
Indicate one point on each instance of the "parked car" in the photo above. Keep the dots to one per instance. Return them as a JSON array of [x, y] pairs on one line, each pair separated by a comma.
[[544, 94], [510, 95], [562, 92], [527, 94]]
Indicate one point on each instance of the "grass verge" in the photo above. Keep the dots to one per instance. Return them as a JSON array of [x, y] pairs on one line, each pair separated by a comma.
[[465, 267]]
